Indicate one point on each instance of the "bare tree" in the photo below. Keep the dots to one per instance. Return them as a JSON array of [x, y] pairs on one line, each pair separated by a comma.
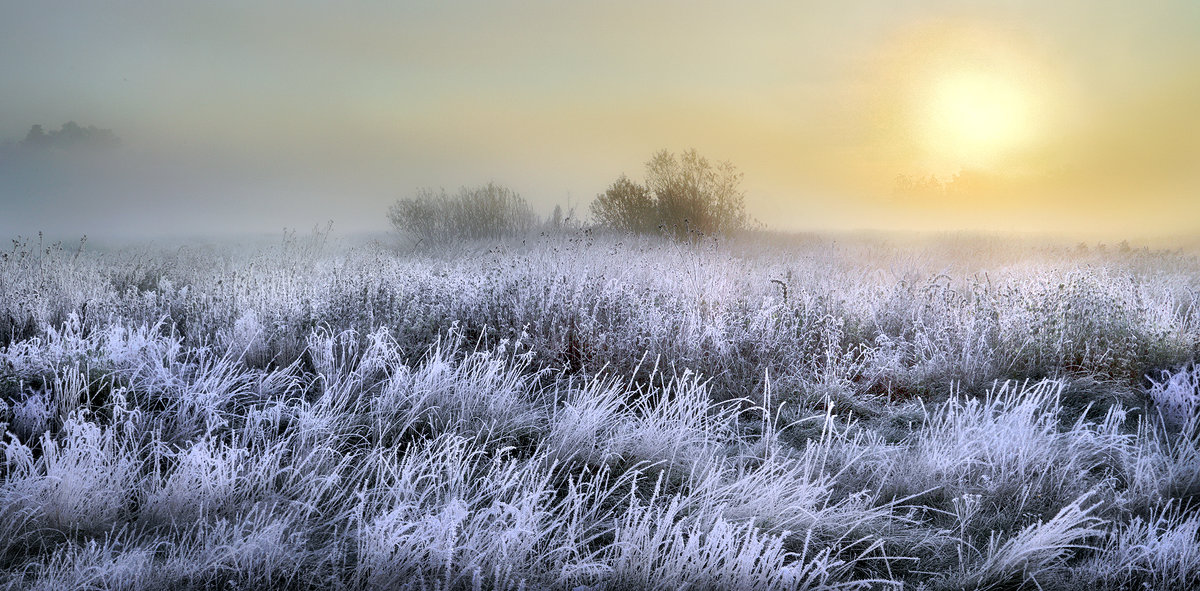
[[488, 212], [684, 195]]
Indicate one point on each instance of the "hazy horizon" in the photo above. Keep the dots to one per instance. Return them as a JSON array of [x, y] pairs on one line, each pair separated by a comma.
[[1081, 118]]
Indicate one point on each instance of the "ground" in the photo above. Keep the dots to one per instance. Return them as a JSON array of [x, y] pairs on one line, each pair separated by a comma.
[[599, 411]]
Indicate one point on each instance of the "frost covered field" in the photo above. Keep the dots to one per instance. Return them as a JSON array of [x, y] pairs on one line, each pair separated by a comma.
[[580, 411]]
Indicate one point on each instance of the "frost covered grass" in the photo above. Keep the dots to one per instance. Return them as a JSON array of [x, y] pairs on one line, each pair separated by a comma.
[[601, 413]]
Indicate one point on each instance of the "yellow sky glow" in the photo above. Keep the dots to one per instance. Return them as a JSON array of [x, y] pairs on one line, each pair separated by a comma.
[[1078, 115]]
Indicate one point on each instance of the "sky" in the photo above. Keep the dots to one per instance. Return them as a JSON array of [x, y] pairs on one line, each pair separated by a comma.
[[1076, 116]]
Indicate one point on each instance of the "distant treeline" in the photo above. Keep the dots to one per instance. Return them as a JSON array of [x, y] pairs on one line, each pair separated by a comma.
[[69, 137], [683, 197]]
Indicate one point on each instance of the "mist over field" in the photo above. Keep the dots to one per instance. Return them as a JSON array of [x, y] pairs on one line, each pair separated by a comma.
[[633, 295], [232, 116]]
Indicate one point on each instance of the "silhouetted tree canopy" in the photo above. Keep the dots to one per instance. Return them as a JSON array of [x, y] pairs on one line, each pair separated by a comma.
[[963, 184], [68, 137]]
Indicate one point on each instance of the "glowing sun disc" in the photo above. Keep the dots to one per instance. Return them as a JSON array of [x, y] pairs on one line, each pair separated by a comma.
[[975, 117]]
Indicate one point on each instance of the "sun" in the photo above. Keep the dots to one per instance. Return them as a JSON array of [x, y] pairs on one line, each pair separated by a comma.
[[964, 96], [978, 114], [972, 119]]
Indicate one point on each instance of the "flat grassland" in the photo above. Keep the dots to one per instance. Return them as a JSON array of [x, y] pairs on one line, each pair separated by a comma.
[[601, 412]]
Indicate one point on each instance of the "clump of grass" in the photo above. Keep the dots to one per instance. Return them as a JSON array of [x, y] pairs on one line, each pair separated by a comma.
[[1177, 397], [1035, 551]]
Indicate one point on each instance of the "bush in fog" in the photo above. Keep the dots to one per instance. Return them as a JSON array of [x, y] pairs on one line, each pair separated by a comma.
[[684, 195], [626, 206], [480, 213]]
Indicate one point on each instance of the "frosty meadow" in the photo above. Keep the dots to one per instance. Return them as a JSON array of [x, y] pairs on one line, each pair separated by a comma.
[[937, 330], [584, 410]]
